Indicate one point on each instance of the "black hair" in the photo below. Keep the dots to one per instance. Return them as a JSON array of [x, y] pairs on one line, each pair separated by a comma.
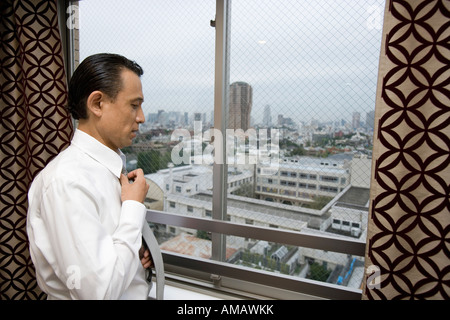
[[100, 72]]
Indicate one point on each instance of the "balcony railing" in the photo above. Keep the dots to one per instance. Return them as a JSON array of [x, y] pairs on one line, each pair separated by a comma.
[[220, 268]]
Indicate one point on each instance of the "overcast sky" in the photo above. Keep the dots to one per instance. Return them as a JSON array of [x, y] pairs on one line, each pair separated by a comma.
[[314, 59]]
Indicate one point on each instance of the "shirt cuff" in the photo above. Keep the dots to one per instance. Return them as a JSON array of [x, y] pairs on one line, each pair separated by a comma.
[[133, 212]]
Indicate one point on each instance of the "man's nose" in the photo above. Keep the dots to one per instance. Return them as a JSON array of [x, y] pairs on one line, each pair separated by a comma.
[[140, 117]]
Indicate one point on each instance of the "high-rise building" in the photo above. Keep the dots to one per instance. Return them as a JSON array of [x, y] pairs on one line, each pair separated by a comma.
[[240, 106], [355, 120], [370, 119], [280, 120], [197, 116], [162, 117], [267, 117]]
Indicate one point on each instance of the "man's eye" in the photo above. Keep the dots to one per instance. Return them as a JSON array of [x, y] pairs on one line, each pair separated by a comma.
[[135, 106]]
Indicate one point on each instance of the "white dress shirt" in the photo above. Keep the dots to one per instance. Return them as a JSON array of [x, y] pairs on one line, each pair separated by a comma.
[[84, 241]]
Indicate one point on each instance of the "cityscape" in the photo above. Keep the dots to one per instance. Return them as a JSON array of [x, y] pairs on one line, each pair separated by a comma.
[[313, 133], [270, 174], [321, 186]]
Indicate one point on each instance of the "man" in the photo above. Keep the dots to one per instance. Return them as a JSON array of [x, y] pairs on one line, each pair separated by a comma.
[[85, 216]]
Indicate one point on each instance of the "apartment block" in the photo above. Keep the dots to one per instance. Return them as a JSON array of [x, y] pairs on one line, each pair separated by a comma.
[[301, 180]]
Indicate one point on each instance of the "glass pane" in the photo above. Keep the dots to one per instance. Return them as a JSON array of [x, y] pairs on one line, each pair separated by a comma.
[[174, 43], [303, 78], [319, 265], [301, 100]]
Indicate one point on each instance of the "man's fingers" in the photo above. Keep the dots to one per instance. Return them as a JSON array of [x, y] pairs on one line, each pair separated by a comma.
[[146, 262], [136, 188], [123, 179], [135, 174]]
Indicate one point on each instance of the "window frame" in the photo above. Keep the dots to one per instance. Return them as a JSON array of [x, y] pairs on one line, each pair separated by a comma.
[[215, 273]]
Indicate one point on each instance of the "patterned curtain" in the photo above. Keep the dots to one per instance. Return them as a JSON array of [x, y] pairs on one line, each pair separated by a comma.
[[35, 126], [408, 252]]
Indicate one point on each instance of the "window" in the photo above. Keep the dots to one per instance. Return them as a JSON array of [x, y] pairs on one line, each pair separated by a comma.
[[288, 183], [328, 189], [307, 176], [329, 179], [288, 192], [303, 94], [355, 225]]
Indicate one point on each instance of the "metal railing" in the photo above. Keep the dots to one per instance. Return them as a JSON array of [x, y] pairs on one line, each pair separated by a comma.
[[220, 268]]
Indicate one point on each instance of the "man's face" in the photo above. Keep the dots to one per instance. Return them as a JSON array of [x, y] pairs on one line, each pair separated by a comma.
[[121, 117]]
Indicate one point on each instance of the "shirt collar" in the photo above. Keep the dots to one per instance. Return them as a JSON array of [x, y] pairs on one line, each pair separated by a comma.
[[113, 161]]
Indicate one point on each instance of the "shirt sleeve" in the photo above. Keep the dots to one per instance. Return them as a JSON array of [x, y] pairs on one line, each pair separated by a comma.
[[92, 262]]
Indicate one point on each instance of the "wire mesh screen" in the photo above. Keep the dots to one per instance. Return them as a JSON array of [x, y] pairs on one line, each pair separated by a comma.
[[300, 119], [309, 69], [174, 43]]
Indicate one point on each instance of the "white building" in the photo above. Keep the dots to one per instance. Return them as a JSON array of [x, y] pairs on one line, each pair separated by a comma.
[[239, 210], [189, 180], [187, 190], [302, 179], [349, 212]]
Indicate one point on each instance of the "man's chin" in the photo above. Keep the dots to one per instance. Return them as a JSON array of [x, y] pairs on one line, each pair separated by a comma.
[[127, 144]]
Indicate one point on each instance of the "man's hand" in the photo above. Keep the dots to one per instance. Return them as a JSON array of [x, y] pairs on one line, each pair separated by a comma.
[[146, 258], [137, 188]]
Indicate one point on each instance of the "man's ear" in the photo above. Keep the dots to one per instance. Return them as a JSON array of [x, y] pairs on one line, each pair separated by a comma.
[[94, 103]]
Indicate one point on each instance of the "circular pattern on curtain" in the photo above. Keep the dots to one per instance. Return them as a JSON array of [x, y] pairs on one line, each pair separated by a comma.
[[35, 126], [409, 221]]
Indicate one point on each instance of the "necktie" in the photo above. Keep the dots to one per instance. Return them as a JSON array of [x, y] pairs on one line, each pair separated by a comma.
[[155, 252]]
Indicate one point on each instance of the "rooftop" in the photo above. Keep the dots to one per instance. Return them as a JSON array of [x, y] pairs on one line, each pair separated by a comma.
[[192, 246], [262, 206], [355, 197]]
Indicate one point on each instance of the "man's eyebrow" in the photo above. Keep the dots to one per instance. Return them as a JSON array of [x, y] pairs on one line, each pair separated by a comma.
[[138, 99]]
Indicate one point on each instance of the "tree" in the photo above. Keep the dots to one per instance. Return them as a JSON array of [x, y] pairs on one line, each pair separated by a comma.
[[298, 151], [153, 160], [203, 235], [319, 202], [245, 190], [318, 272], [147, 161]]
